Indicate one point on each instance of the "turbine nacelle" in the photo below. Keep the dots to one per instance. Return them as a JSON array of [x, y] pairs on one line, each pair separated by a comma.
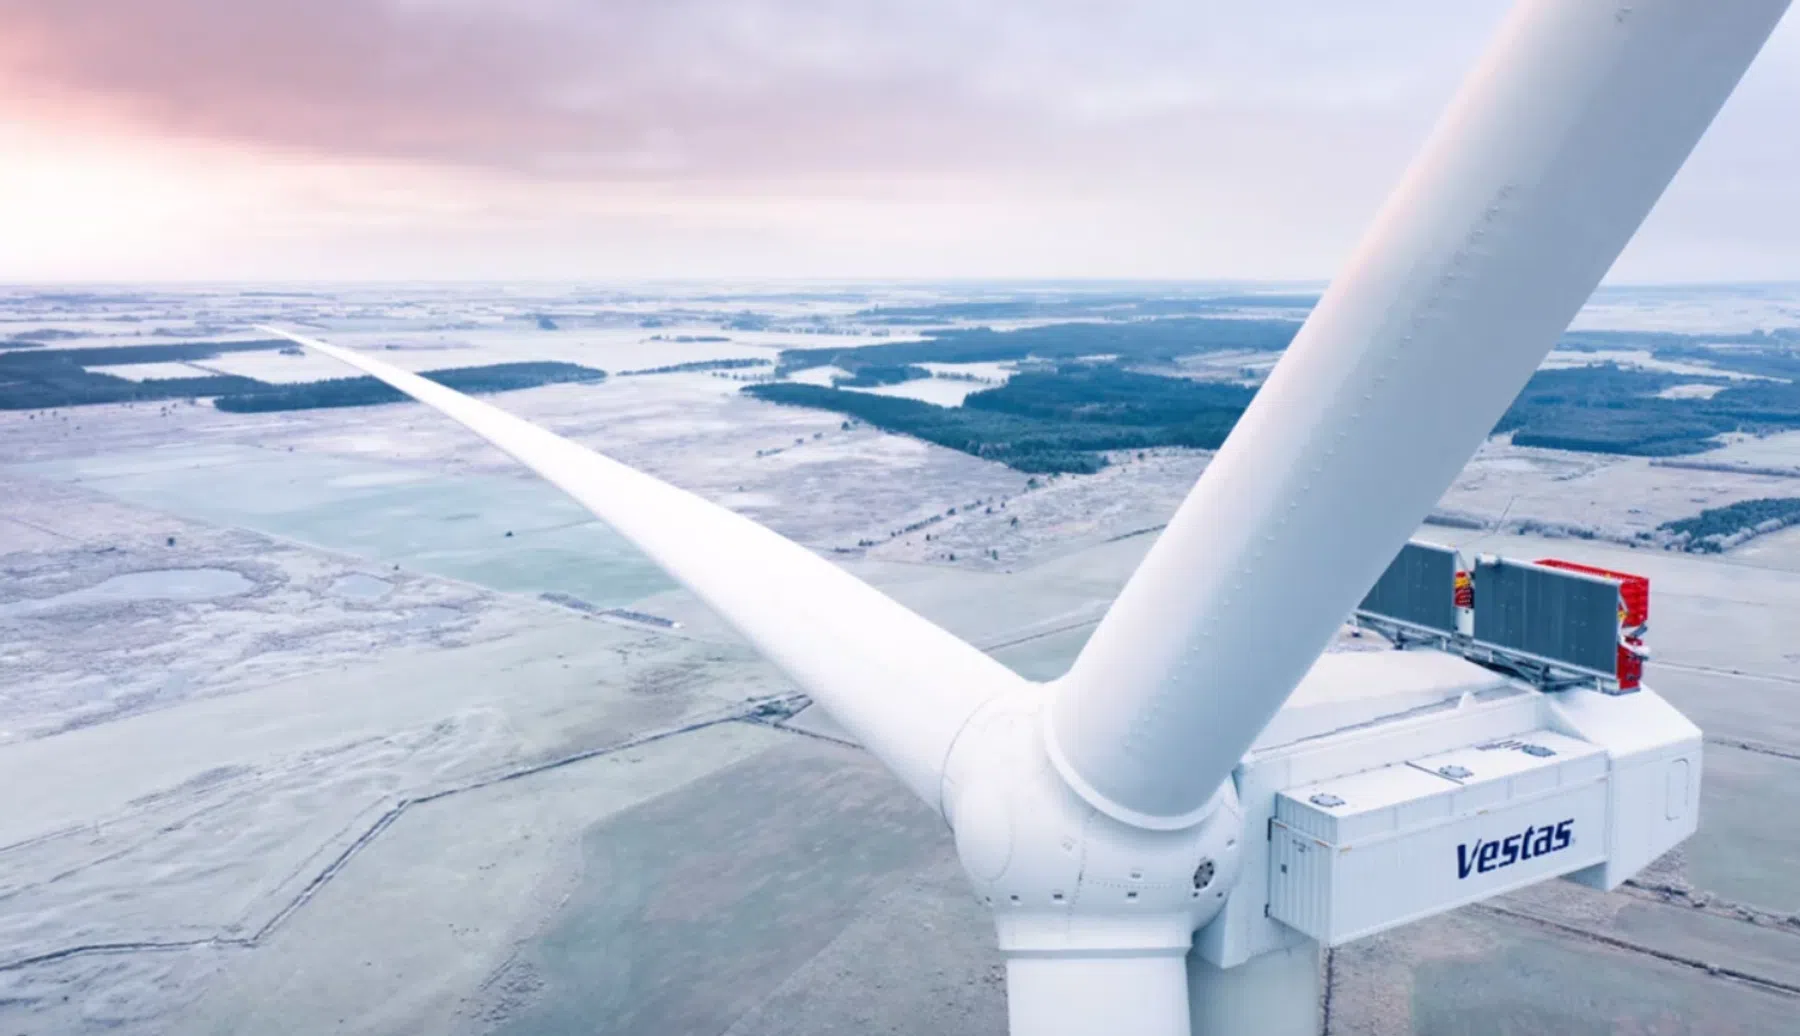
[[1393, 787], [1404, 784]]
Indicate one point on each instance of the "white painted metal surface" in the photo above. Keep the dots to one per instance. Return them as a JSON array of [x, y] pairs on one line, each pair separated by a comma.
[[1352, 688], [1654, 800], [900, 685], [1532, 183], [1355, 855], [1144, 994], [1278, 994], [1385, 730], [1416, 783]]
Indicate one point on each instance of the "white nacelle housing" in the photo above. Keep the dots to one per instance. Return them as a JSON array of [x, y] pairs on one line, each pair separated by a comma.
[[1399, 785]]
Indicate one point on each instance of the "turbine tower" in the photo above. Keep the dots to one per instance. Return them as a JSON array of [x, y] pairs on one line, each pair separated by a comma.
[[1164, 846]]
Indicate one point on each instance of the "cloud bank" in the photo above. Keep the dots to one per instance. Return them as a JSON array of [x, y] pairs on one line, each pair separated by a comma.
[[1208, 137]]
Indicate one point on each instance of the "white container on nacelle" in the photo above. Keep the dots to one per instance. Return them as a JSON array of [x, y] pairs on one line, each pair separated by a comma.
[[1374, 729], [1355, 855]]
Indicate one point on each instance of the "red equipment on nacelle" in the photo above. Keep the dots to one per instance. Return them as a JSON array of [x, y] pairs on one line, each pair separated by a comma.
[[1634, 617]]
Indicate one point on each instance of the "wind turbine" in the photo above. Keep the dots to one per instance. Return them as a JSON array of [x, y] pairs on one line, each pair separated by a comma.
[[1125, 823]]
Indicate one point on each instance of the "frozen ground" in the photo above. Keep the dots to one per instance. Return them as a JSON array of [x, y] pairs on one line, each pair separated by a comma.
[[107, 610], [1642, 360], [275, 367], [155, 371], [1504, 488], [799, 470], [937, 391], [271, 783], [1725, 309], [610, 349], [819, 376], [1782, 450], [525, 833], [1242, 366]]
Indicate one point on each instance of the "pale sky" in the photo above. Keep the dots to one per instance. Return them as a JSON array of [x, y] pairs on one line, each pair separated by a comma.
[[596, 139]]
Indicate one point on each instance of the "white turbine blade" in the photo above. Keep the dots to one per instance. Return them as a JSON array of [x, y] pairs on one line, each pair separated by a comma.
[[901, 685], [1531, 184]]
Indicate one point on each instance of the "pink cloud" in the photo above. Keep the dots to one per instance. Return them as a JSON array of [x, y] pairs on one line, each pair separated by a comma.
[[621, 90], [1257, 136], [724, 89]]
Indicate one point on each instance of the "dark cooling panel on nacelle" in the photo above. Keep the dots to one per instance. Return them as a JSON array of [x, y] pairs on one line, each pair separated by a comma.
[[1567, 618], [1418, 589]]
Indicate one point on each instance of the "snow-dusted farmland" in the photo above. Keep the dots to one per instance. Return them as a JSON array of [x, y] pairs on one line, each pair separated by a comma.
[[274, 783], [153, 371]]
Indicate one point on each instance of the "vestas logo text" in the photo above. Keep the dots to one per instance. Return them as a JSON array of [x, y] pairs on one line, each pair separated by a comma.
[[1485, 856]]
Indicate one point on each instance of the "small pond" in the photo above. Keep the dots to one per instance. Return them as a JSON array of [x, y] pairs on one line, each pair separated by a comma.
[[169, 584]]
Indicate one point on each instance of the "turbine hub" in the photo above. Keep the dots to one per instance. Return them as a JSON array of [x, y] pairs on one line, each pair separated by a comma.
[[1059, 873]]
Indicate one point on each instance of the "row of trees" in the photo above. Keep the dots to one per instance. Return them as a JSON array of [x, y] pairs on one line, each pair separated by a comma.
[[1107, 305], [872, 375], [1721, 528], [1021, 443], [42, 379], [698, 365], [1046, 423], [1105, 394], [1059, 420], [1141, 341], [366, 391], [1610, 409]]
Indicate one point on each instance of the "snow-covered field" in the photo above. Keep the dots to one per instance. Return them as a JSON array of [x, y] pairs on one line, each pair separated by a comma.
[[609, 349], [406, 828], [820, 376], [937, 391], [1723, 309], [1780, 450], [1690, 392], [1643, 360], [274, 366], [153, 371], [301, 749], [996, 373]]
